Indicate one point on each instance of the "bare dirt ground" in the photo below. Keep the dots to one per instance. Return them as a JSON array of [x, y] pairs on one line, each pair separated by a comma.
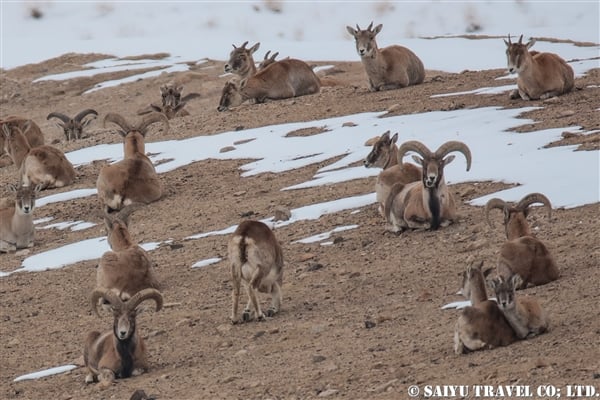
[[361, 319]]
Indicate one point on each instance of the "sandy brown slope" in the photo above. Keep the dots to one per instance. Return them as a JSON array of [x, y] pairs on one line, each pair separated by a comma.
[[320, 343]]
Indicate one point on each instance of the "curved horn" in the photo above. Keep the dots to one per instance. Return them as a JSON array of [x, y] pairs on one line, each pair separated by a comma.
[[534, 198], [413, 145], [151, 119], [521, 39], [117, 119], [108, 295], [125, 212], [267, 55], [490, 205], [509, 42], [143, 295], [243, 46], [370, 26], [454, 145], [58, 115], [190, 96], [84, 113]]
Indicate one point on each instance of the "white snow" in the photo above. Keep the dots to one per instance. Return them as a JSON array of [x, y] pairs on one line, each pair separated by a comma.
[[46, 372]]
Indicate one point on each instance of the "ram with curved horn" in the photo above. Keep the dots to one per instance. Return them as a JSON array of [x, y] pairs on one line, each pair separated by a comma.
[[515, 216], [523, 254], [134, 178], [426, 204], [73, 127], [120, 352]]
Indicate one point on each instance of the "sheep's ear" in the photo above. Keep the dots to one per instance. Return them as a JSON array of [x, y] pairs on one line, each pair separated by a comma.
[[418, 160], [514, 280], [38, 188], [377, 29], [449, 159], [352, 31], [242, 83], [12, 187], [395, 137], [530, 43], [254, 48]]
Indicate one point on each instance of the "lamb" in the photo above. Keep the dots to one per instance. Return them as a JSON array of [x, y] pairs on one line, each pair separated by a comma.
[[392, 67], [126, 269], [540, 75], [42, 165], [134, 178], [482, 325], [524, 313], [172, 101], [241, 62], [16, 222], [73, 127], [30, 129], [523, 254], [120, 353], [280, 80], [384, 154], [426, 204], [256, 259]]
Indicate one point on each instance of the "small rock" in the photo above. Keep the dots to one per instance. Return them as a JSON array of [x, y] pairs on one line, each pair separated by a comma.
[[224, 329], [306, 257], [156, 333], [314, 266], [239, 128], [318, 358], [384, 387], [258, 334], [238, 142], [175, 246], [229, 379], [348, 124], [370, 324], [394, 108], [372, 141], [318, 328], [185, 321], [13, 343], [242, 352], [247, 214], [240, 193], [79, 361], [566, 113], [274, 331], [282, 213], [328, 392], [338, 239], [226, 149]]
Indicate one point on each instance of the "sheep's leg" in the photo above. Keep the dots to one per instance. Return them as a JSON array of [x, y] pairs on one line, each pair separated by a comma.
[[91, 377], [514, 94], [524, 95], [7, 247], [275, 300], [235, 293], [252, 287], [106, 378], [548, 95]]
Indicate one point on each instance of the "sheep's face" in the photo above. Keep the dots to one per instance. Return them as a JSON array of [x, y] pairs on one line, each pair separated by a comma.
[[171, 96], [241, 60], [433, 171], [230, 96], [124, 323], [380, 153], [25, 199], [365, 43], [505, 293], [72, 129], [516, 54]]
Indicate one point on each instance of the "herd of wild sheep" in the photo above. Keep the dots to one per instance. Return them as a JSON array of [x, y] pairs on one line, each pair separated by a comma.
[[409, 196]]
